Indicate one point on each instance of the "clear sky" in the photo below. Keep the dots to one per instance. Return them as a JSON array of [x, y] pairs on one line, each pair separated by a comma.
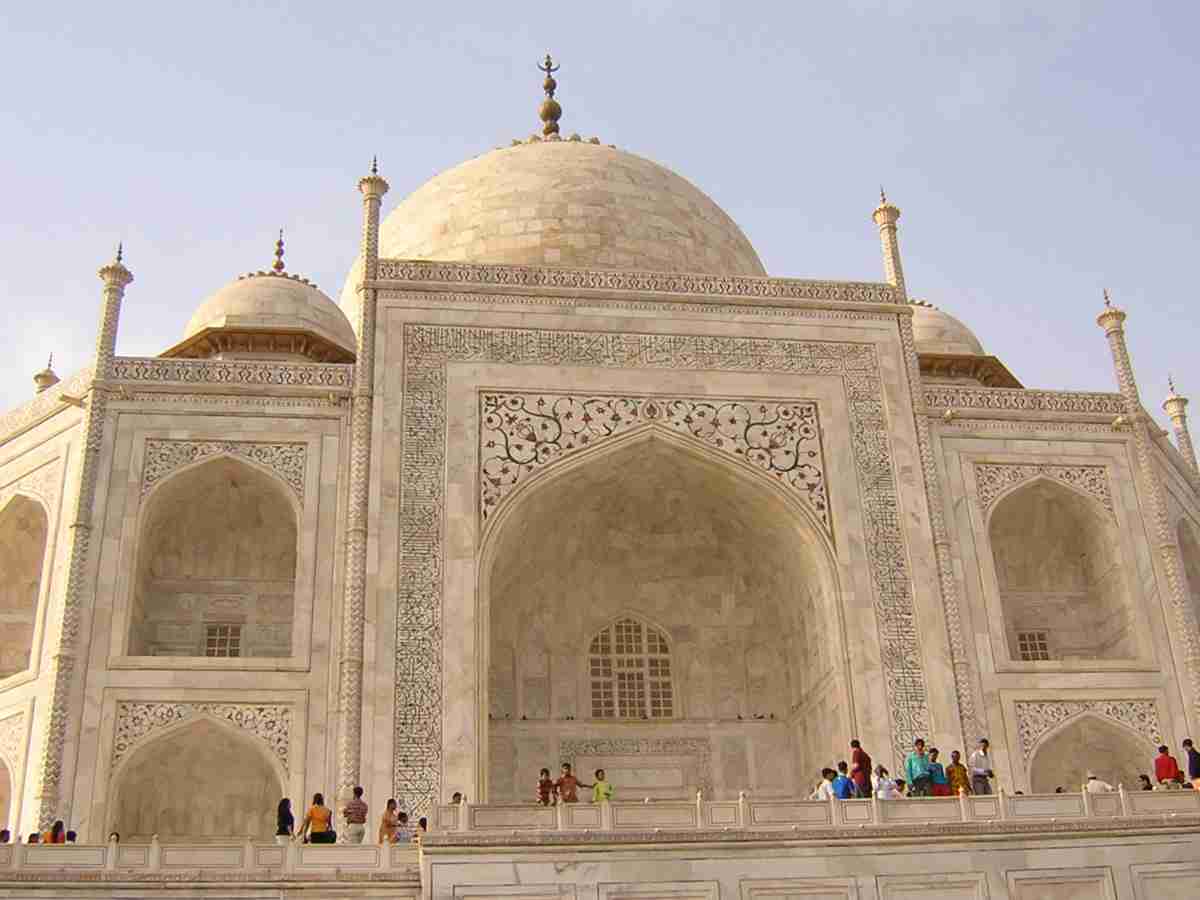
[[1039, 151]]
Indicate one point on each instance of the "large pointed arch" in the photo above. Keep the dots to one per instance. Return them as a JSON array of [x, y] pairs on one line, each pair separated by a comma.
[[200, 779], [24, 538], [726, 561], [216, 563], [1088, 742], [1060, 574]]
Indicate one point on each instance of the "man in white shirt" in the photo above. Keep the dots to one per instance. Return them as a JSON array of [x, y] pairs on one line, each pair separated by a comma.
[[980, 767], [824, 790], [1095, 786]]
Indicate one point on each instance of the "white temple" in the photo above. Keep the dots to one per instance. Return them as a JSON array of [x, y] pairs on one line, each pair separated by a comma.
[[565, 475]]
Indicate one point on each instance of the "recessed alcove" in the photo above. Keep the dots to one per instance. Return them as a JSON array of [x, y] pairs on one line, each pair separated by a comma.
[[23, 534], [201, 781], [216, 566], [711, 595], [1089, 743], [1058, 569]]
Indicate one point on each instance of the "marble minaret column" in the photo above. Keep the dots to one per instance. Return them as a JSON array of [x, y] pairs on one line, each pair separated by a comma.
[[350, 666], [1175, 407], [80, 587], [1184, 636], [886, 216]]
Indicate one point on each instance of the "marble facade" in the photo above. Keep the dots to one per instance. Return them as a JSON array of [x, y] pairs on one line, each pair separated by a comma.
[[811, 496]]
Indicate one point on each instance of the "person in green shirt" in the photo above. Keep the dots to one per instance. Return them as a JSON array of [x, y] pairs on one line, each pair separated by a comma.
[[602, 790]]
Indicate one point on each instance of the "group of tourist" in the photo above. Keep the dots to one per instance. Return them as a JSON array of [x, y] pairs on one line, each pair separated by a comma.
[[317, 825], [1169, 775], [566, 788], [55, 834], [924, 775]]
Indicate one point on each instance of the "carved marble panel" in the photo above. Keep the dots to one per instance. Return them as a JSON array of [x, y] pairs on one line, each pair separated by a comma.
[[945, 396], [242, 372], [524, 433], [1036, 717], [994, 479], [288, 461], [417, 760], [271, 724], [12, 740]]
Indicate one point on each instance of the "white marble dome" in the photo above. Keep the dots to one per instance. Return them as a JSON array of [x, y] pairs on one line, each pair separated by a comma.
[[563, 203], [935, 331], [271, 302]]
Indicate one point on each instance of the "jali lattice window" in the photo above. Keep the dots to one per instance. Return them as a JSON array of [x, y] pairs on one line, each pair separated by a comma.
[[223, 640], [1032, 646], [630, 666]]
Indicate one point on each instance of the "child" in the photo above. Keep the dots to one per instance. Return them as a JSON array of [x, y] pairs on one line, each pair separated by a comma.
[[602, 790], [545, 788]]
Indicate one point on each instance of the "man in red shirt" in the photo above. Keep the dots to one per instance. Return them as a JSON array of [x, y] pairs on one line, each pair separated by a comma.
[[567, 787], [860, 768], [1166, 768]]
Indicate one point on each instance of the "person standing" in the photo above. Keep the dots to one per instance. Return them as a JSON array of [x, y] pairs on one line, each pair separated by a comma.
[[1095, 786], [824, 790], [355, 814], [567, 787], [860, 769], [957, 775], [1166, 767], [937, 772], [545, 788], [318, 822], [917, 770], [980, 766], [388, 823], [843, 787], [285, 822], [602, 790], [885, 788], [1193, 763]]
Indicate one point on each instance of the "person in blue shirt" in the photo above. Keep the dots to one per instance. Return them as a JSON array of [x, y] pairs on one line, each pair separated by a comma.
[[917, 771], [941, 784], [843, 787]]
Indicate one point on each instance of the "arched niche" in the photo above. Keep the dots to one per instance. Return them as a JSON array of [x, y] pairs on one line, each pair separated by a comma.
[[203, 780], [216, 565], [1089, 743], [729, 568], [1189, 548], [1058, 569], [24, 529]]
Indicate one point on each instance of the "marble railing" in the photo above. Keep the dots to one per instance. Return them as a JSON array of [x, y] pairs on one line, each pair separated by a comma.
[[234, 861], [797, 815]]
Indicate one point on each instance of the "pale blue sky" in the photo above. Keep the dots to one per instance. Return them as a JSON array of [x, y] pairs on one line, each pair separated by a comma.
[[1039, 151]]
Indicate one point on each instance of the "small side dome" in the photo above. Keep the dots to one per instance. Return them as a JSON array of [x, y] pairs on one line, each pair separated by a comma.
[[268, 315], [935, 331]]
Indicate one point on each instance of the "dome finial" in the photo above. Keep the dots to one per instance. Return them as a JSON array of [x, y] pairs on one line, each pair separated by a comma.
[[46, 379], [120, 251], [550, 111], [374, 165], [882, 196], [278, 264]]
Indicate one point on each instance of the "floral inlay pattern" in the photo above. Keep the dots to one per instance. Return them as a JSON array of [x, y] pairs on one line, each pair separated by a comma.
[[1036, 717], [521, 434], [162, 457], [994, 479], [136, 720]]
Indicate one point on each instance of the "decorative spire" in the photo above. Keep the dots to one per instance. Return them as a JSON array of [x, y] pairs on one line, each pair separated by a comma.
[[277, 266], [885, 216], [1171, 385], [374, 165], [550, 111], [882, 196], [1107, 299], [46, 379], [120, 252]]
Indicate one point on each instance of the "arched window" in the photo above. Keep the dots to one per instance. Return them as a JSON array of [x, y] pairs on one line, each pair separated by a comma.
[[630, 666]]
